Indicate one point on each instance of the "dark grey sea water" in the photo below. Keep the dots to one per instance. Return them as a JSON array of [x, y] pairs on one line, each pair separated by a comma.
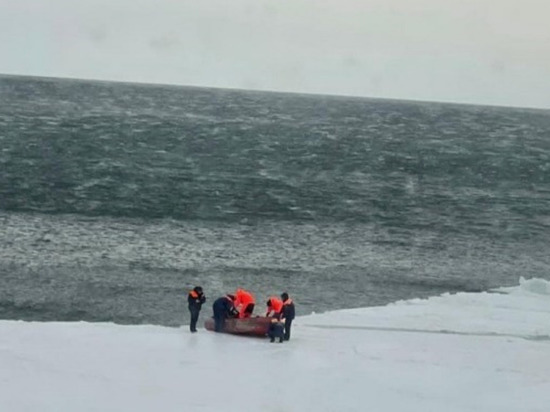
[[116, 198]]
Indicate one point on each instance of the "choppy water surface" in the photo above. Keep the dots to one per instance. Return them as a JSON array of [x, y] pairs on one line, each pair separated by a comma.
[[115, 198]]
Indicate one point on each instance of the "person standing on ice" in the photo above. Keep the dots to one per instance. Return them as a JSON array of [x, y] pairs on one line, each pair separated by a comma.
[[287, 313], [244, 302], [223, 308], [274, 306], [195, 299]]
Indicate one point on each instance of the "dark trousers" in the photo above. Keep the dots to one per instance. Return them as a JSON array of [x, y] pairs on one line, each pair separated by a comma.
[[219, 318], [218, 323], [276, 331], [288, 322], [194, 318], [248, 310]]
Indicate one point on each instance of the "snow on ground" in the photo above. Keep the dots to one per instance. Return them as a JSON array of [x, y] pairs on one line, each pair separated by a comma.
[[463, 352]]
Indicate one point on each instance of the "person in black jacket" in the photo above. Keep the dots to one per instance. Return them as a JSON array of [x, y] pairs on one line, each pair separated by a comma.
[[195, 298], [223, 308], [287, 313], [276, 330]]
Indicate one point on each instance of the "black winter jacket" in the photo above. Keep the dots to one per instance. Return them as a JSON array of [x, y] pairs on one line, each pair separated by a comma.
[[195, 302], [288, 311]]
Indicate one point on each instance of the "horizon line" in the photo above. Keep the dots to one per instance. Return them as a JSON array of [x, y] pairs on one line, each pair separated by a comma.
[[330, 95]]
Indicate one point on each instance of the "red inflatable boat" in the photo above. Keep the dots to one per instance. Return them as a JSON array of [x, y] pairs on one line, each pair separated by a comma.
[[256, 326]]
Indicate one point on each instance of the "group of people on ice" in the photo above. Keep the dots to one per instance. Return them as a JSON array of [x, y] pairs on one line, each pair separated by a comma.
[[241, 305]]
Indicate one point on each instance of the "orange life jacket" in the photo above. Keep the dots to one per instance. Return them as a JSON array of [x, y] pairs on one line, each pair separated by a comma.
[[243, 298], [276, 306]]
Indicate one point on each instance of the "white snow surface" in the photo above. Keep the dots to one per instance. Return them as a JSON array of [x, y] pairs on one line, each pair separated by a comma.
[[456, 352]]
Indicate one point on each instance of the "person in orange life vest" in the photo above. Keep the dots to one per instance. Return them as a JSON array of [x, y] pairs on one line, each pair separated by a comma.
[[287, 313], [274, 306], [244, 302], [195, 299]]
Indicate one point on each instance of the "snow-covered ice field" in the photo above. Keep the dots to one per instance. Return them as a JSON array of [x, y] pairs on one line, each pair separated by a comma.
[[463, 352]]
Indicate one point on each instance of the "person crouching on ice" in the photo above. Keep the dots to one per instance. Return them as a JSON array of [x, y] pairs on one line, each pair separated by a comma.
[[244, 302], [195, 299], [274, 306], [223, 308], [276, 330]]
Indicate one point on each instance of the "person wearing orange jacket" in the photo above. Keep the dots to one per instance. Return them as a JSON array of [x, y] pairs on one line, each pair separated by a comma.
[[244, 302], [287, 313], [274, 306], [195, 299]]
